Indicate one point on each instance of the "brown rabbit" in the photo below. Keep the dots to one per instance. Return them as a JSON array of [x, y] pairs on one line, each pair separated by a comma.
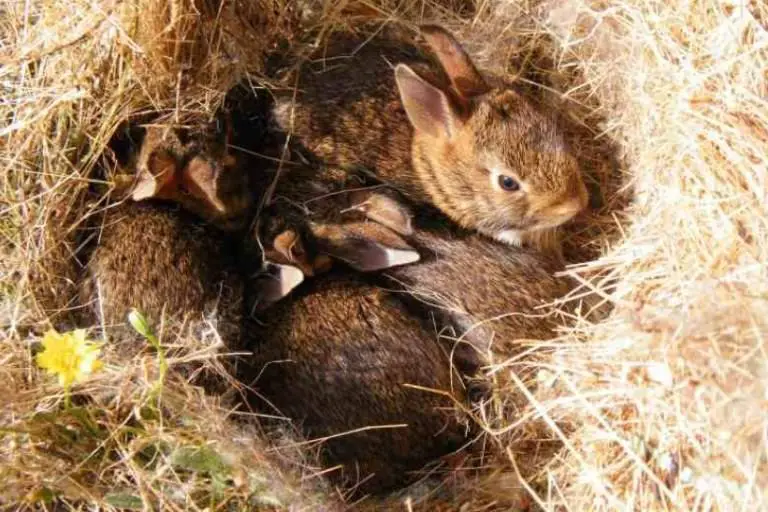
[[490, 294], [442, 134], [162, 259], [477, 291], [308, 351], [348, 364]]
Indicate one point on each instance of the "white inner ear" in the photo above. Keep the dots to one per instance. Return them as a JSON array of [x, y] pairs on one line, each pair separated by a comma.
[[396, 257], [511, 237], [290, 277], [378, 257], [144, 190]]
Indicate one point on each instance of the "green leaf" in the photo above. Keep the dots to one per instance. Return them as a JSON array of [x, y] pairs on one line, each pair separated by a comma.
[[140, 324], [43, 495], [201, 459], [124, 501]]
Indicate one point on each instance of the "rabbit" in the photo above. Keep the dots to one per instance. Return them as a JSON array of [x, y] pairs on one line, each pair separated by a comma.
[[489, 293], [347, 363], [480, 292], [486, 293], [442, 134], [171, 248]]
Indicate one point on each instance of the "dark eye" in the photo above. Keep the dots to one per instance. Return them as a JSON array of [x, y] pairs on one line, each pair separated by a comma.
[[508, 184]]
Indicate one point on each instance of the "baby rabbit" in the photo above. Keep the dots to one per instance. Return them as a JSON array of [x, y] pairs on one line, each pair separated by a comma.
[[326, 358], [163, 260], [484, 294], [490, 294], [348, 364], [443, 134]]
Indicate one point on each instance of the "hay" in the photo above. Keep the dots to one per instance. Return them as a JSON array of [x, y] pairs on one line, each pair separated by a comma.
[[654, 396], [667, 395]]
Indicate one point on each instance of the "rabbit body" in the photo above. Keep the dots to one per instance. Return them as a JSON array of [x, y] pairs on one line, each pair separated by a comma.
[[163, 261], [490, 294], [338, 360], [171, 250]]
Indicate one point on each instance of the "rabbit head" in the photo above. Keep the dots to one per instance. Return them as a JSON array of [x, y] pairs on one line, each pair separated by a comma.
[[291, 254], [203, 177], [488, 157]]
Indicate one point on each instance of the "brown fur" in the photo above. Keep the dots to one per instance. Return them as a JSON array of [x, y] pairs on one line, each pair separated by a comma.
[[489, 293], [465, 287], [162, 261], [339, 358], [348, 112]]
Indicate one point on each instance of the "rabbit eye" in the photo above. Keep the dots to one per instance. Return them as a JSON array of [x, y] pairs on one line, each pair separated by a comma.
[[508, 184]]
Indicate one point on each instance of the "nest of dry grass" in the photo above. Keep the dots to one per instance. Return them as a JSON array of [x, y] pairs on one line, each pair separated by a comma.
[[655, 394]]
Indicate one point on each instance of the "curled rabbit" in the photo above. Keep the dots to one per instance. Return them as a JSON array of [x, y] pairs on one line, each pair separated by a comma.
[[349, 365], [438, 130], [169, 249]]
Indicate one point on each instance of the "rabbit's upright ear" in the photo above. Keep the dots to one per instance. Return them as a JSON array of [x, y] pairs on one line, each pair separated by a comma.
[[464, 76], [428, 108], [204, 174], [157, 177], [288, 248], [364, 246]]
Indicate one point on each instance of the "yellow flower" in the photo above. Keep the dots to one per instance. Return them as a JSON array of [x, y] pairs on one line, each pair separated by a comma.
[[69, 356]]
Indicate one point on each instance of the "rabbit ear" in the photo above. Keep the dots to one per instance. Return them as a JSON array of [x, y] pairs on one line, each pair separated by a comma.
[[383, 209], [364, 246], [466, 79], [290, 249], [277, 282], [428, 108], [158, 178], [208, 166], [200, 177]]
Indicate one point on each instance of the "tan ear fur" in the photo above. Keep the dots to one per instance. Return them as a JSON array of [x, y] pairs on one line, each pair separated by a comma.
[[158, 179], [428, 108], [466, 79], [200, 178], [384, 210], [364, 246], [290, 250]]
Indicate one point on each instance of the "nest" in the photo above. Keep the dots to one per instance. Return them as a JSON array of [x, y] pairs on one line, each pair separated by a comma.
[[654, 394]]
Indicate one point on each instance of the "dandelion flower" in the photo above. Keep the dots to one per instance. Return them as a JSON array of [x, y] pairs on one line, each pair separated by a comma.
[[70, 356]]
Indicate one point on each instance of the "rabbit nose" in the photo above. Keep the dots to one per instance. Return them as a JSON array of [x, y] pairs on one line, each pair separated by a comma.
[[567, 209], [558, 212]]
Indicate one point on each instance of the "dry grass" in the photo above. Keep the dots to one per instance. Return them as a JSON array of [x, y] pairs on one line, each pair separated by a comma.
[[655, 395]]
